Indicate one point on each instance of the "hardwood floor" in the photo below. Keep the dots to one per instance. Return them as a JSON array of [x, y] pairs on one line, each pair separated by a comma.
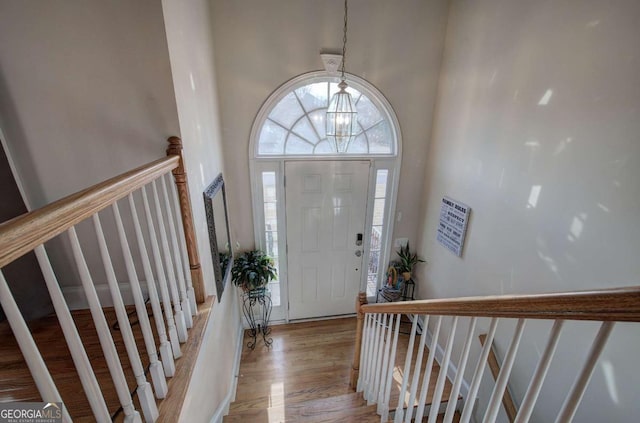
[[304, 376], [16, 383]]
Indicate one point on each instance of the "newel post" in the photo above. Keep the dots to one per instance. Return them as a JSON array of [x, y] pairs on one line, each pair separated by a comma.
[[180, 176], [355, 367]]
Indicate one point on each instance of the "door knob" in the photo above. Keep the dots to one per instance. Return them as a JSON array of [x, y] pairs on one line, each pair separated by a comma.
[[358, 253]]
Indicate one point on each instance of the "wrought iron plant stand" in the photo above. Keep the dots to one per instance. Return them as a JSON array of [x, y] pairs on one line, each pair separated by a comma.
[[256, 306]]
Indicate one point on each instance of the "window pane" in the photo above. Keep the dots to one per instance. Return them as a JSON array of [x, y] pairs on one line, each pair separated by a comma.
[[271, 139], [287, 111], [359, 145], [318, 120], [269, 186], [380, 139], [305, 130], [313, 96], [368, 114], [271, 243], [270, 217], [381, 183], [296, 145], [378, 211]]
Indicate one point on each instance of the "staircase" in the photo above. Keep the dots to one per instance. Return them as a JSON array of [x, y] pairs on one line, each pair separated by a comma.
[[304, 376]]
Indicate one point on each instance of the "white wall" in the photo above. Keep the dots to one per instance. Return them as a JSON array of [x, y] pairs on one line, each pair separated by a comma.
[[188, 27], [397, 46], [497, 136], [85, 94]]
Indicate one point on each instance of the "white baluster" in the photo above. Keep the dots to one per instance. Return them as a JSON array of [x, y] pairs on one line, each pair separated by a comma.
[[407, 371], [462, 365], [363, 353], [155, 367], [477, 374], [29, 349], [529, 401], [376, 377], [162, 280], [503, 377], [428, 369], [385, 363], [183, 248], [368, 341], [384, 415], [184, 301], [78, 354], [374, 359], [418, 366], [165, 347], [181, 325], [104, 335], [442, 375], [568, 410], [145, 394]]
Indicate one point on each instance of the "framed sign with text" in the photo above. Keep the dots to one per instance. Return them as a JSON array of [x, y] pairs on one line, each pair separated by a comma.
[[453, 225]]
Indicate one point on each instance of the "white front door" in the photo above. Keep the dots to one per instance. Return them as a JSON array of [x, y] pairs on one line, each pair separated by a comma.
[[325, 208]]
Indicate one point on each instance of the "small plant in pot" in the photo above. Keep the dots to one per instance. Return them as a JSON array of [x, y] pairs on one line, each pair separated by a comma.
[[407, 261], [253, 270]]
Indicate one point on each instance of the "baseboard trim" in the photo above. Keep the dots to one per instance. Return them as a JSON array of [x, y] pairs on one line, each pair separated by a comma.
[[223, 408]]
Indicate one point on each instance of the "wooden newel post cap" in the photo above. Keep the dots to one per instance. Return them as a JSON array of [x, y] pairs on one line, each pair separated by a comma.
[[175, 149]]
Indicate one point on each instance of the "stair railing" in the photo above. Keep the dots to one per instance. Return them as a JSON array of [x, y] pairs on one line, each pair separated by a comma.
[[379, 325], [167, 241]]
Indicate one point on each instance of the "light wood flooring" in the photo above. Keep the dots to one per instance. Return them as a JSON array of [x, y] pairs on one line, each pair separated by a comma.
[[304, 376], [16, 383]]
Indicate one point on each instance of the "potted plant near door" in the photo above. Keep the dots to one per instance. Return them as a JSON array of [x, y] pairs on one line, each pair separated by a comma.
[[253, 270], [407, 261]]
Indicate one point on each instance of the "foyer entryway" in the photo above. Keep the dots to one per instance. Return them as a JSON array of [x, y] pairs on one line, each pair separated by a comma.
[[326, 204]]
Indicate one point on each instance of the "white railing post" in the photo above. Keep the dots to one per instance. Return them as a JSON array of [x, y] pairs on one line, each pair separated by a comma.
[[503, 377], [462, 365], [368, 393], [181, 325], [385, 364], [104, 335], [418, 366], [78, 353], [442, 375], [479, 371], [526, 408], [183, 247], [162, 280], [35, 363], [568, 410], [384, 415], [428, 369], [165, 347], [363, 355], [376, 377], [155, 366], [145, 394], [184, 301], [399, 416]]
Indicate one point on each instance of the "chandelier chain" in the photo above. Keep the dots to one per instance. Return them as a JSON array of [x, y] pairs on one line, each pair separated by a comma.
[[344, 38]]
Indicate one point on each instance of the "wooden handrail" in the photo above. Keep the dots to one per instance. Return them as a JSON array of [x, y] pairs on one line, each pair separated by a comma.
[[615, 304], [22, 234]]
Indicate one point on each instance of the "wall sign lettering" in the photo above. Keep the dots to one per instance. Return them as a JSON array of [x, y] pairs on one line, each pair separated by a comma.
[[453, 225]]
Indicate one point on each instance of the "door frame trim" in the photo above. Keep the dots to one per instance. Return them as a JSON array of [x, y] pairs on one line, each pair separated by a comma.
[[277, 165]]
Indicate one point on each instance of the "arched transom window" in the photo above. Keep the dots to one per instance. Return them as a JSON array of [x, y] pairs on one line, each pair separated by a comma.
[[293, 120]]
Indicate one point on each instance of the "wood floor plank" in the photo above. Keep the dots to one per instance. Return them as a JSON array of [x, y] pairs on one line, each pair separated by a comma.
[[304, 377]]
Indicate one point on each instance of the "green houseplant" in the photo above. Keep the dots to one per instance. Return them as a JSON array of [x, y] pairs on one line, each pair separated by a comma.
[[253, 270], [407, 261]]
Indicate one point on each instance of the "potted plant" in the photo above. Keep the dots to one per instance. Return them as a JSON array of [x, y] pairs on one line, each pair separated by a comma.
[[253, 270], [407, 261]]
